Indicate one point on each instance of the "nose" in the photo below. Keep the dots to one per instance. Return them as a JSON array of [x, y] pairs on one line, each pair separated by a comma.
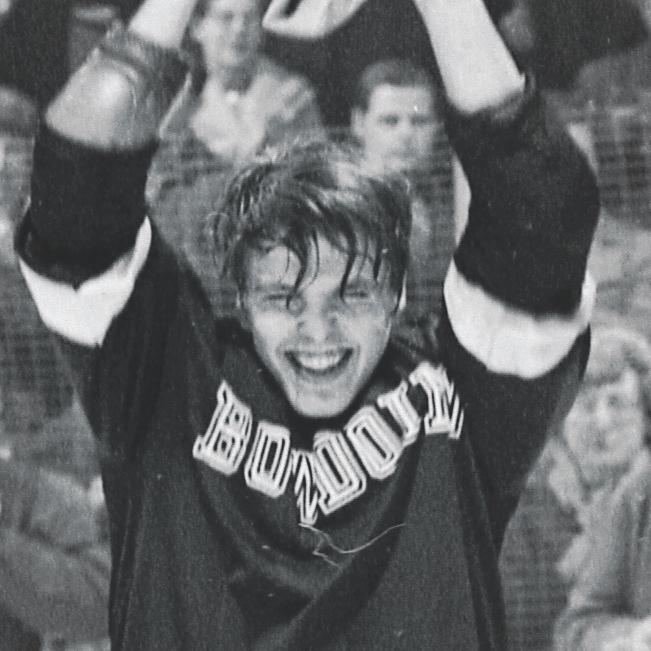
[[237, 25], [406, 135], [318, 322], [404, 128], [241, 26], [602, 418]]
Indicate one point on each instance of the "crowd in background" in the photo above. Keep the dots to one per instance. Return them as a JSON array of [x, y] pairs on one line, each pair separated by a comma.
[[575, 573]]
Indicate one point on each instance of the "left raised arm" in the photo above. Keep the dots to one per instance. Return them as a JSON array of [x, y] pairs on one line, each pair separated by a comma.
[[477, 69], [516, 297]]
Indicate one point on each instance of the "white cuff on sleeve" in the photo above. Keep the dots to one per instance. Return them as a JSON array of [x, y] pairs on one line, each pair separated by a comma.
[[507, 340], [84, 315]]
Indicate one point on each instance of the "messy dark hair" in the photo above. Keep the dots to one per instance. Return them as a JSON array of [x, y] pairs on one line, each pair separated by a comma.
[[391, 72], [312, 189]]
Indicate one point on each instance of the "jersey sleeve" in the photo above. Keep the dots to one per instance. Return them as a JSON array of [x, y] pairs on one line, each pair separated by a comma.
[[534, 206], [85, 238], [87, 206], [99, 271], [514, 333]]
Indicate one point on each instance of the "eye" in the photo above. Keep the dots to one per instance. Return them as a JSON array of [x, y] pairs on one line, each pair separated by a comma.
[[283, 301], [356, 293], [421, 120], [389, 120]]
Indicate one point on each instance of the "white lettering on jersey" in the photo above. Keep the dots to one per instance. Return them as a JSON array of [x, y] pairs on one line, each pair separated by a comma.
[[305, 486], [340, 477], [267, 467], [376, 444], [223, 445], [444, 411], [455, 410], [432, 381], [336, 471], [403, 412]]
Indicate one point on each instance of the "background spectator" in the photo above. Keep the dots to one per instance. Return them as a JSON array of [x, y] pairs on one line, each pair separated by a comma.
[[546, 543], [239, 102], [609, 607], [54, 551], [397, 119]]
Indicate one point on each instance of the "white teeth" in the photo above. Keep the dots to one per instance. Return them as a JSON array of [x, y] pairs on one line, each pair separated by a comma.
[[319, 361]]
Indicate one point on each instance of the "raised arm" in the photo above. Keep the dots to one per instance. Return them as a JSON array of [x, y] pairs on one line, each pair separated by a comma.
[[117, 101], [91, 161], [534, 199], [477, 69], [516, 298]]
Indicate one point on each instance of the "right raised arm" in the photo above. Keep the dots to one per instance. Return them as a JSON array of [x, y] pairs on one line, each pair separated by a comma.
[[118, 97], [85, 237], [517, 304]]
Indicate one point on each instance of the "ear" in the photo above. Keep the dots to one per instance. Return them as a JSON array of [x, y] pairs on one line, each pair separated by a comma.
[[358, 123], [402, 301], [241, 313], [194, 28]]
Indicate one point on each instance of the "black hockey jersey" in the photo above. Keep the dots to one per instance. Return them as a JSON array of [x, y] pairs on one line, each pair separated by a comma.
[[237, 524]]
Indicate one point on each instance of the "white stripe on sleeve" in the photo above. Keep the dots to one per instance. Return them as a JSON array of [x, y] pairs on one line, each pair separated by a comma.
[[507, 340], [84, 315]]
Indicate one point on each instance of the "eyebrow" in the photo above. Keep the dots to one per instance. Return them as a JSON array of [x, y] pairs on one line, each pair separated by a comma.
[[272, 285]]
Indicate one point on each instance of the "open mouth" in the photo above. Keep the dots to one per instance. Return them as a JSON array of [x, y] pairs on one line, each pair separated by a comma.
[[319, 364]]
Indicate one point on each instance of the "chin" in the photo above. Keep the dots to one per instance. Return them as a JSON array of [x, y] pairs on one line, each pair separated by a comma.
[[317, 408], [314, 404]]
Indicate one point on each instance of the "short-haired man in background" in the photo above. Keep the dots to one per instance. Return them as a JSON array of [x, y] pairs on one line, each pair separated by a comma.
[[397, 119]]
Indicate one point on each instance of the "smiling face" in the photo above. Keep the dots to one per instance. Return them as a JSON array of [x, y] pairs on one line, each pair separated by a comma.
[[605, 428], [398, 128], [230, 34], [320, 344]]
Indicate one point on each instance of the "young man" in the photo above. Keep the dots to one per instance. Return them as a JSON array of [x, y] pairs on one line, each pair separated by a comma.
[[239, 102], [301, 479], [396, 116], [398, 119]]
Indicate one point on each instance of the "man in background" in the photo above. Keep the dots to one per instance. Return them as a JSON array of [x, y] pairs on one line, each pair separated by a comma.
[[397, 119]]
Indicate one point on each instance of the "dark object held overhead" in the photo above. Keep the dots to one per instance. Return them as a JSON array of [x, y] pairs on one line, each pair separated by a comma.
[[571, 33]]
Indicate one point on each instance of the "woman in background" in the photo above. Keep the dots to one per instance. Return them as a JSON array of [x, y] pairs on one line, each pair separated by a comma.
[[609, 605], [239, 102], [548, 541]]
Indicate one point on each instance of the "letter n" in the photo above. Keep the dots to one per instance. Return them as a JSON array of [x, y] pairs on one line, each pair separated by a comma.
[[305, 486], [433, 382]]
